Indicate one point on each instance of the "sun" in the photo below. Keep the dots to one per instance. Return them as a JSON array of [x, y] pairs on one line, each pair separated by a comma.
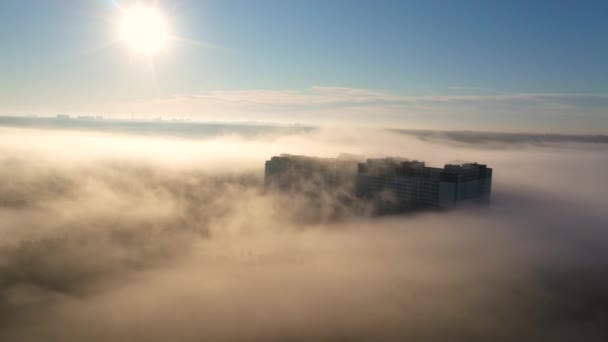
[[144, 30]]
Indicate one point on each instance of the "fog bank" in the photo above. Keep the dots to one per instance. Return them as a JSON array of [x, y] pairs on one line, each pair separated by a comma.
[[119, 237]]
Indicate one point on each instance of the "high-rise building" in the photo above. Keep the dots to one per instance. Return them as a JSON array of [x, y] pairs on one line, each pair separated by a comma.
[[403, 185], [292, 172], [390, 184]]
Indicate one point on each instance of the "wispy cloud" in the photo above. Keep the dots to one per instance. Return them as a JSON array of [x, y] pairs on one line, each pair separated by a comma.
[[341, 96], [326, 104], [314, 96]]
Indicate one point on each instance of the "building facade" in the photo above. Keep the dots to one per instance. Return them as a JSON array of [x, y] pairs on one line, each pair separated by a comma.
[[302, 173], [390, 184], [400, 185]]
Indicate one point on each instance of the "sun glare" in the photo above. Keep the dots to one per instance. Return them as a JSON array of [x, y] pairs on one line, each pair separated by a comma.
[[144, 30]]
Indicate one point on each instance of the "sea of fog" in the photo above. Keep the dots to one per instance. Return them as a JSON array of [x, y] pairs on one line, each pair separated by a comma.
[[113, 235]]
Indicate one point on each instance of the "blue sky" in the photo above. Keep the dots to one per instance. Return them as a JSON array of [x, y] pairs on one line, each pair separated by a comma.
[[496, 65]]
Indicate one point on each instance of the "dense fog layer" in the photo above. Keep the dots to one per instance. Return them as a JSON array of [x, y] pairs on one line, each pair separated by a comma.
[[110, 237]]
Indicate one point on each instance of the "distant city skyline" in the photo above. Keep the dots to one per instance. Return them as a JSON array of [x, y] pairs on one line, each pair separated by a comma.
[[480, 65]]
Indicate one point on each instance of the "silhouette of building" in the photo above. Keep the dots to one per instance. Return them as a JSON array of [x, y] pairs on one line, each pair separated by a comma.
[[310, 174], [401, 185], [390, 184]]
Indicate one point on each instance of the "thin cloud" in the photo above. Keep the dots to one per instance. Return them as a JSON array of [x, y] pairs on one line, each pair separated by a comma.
[[322, 95], [323, 105]]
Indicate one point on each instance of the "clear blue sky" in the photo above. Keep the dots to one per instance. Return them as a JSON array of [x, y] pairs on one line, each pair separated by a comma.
[[406, 63]]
